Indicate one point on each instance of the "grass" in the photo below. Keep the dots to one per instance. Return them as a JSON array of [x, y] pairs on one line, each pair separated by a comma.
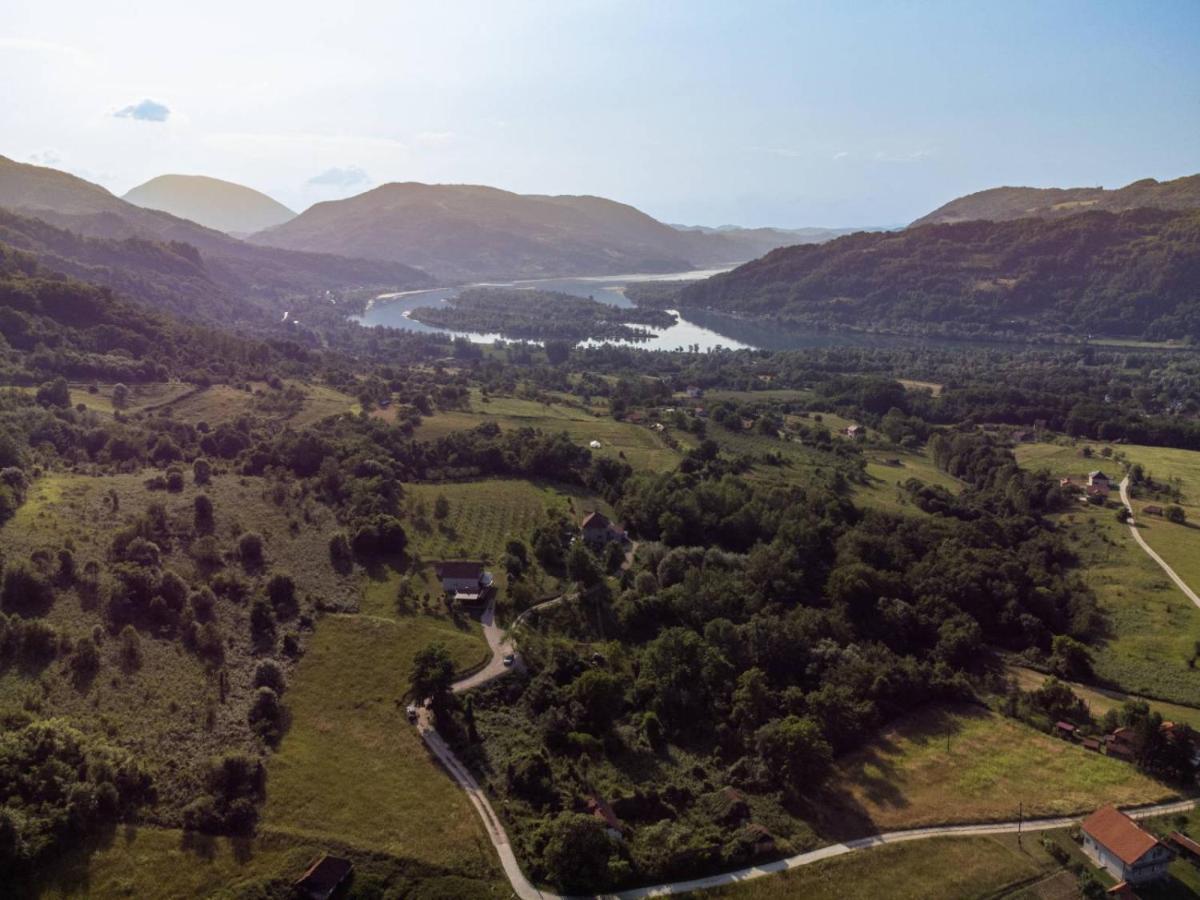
[[968, 764], [1101, 700], [884, 492], [168, 864], [1151, 627], [224, 403], [169, 709], [639, 446], [351, 768], [141, 396], [975, 867]]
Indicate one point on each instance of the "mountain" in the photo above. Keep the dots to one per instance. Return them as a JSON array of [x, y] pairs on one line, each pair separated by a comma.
[[471, 232], [1134, 273], [245, 270], [752, 243], [211, 202], [1004, 203]]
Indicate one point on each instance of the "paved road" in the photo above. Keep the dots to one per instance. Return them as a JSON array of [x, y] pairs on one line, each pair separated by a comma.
[[527, 890], [1137, 536]]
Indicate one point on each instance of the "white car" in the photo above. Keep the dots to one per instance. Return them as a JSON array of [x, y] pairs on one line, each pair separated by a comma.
[[411, 712], [510, 658]]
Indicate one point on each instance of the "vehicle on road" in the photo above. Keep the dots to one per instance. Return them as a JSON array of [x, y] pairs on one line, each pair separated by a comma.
[[510, 658], [411, 712]]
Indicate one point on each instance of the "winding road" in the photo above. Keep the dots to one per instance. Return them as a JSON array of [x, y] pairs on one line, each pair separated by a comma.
[[1137, 536], [525, 889]]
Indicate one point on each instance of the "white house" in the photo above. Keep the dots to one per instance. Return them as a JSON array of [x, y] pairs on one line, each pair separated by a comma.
[[1123, 848], [465, 580]]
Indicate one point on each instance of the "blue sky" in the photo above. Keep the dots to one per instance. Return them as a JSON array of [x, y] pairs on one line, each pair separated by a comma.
[[699, 112]]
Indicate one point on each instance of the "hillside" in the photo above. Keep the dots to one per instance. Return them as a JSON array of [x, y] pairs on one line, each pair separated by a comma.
[[1128, 274], [246, 269], [1004, 203], [468, 232], [211, 202], [754, 242]]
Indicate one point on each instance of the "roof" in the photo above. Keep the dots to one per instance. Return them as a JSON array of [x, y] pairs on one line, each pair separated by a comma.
[[323, 877], [459, 569], [1064, 726], [1119, 834], [595, 520], [1122, 890], [1097, 474], [1185, 842], [604, 813]]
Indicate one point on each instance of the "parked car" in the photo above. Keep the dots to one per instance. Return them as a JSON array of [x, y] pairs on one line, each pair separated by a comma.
[[411, 712], [510, 658]]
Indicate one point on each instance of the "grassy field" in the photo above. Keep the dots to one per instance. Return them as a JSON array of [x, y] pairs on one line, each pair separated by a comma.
[[993, 766], [962, 868], [884, 490], [640, 447], [141, 396], [224, 403], [352, 768], [1151, 626], [1101, 700]]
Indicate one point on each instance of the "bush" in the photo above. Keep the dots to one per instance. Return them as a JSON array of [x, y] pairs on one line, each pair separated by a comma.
[[1175, 513], [131, 647], [269, 674], [202, 471], [282, 591], [250, 548], [266, 715], [262, 621]]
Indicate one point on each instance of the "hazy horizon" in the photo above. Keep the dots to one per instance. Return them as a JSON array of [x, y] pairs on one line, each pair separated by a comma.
[[789, 115]]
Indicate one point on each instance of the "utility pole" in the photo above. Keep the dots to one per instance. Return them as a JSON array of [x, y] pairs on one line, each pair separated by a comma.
[[1020, 820]]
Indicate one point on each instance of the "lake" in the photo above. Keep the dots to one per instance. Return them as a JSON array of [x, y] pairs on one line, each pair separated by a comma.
[[701, 329]]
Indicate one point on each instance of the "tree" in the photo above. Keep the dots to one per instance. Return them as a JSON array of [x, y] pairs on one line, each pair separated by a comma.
[[432, 674], [282, 591], [55, 393], [577, 852], [795, 750], [262, 622], [441, 507], [201, 471], [202, 514], [1069, 658], [557, 352], [582, 566], [340, 554], [266, 715], [602, 696], [250, 548], [120, 396], [131, 647], [1175, 513]]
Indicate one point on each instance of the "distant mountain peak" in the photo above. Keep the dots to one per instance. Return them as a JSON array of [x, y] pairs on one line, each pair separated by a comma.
[[212, 202]]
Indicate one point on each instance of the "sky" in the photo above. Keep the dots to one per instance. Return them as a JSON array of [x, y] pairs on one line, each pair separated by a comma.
[[749, 113]]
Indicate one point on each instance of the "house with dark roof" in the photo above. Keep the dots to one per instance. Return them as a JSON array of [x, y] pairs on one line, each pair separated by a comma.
[[465, 580], [598, 530], [1123, 848], [1097, 483], [323, 878]]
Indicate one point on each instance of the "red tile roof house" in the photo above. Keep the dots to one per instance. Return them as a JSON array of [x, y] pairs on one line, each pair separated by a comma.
[[1123, 848], [466, 581], [598, 530]]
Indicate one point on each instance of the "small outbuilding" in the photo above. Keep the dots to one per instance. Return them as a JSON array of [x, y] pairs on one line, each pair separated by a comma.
[[466, 580], [598, 530], [1152, 510], [323, 878]]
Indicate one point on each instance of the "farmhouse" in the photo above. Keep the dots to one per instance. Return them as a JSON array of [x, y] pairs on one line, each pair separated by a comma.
[[323, 878], [598, 530], [1122, 848], [1152, 510], [855, 431], [1098, 483], [467, 581]]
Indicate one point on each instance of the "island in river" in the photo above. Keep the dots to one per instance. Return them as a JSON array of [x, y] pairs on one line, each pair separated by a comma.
[[539, 315]]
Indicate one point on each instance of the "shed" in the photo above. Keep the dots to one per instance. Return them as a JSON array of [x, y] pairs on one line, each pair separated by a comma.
[[1064, 729], [1152, 510], [323, 878], [1186, 844]]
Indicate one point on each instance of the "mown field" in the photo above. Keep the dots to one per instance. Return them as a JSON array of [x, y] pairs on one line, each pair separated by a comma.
[[1151, 626], [352, 768], [225, 403], [639, 446], [962, 868], [141, 396], [969, 764]]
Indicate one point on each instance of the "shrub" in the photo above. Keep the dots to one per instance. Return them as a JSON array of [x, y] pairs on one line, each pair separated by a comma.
[[201, 471], [269, 674], [282, 591], [131, 647], [266, 715], [250, 548], [262, 621]]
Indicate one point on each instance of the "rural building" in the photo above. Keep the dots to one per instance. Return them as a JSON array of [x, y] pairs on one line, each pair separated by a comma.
[[467, 581], [694, 392], [602, 811], [1098, 482], [323, 878], [1186, 845], [1064, 730], [1152, 510], [855, 431], [598, 530], [1123, 848]]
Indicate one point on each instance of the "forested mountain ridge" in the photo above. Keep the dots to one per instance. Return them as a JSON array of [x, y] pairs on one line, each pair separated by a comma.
[[244, 269], [1004, 203], [1129, 274], [232, 208], [468, 232]]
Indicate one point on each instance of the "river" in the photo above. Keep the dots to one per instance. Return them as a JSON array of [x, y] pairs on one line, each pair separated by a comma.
[[701, 329]]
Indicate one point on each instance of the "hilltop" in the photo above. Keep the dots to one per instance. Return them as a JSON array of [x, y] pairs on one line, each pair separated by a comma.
[[1127, 274], [222, 205], [250, 271], [468, 232], [1004, 203]]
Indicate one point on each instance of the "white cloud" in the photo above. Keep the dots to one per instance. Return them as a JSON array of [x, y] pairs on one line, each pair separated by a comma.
[[841, 154], [146, 111], [350, 176]]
